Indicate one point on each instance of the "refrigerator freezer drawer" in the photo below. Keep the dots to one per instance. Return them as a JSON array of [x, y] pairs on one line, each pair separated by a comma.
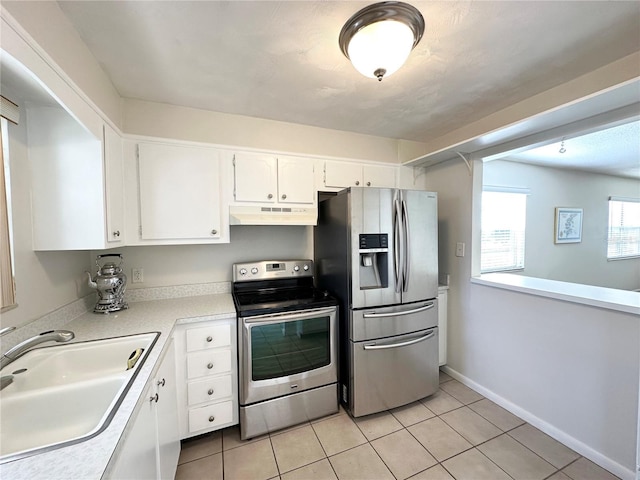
[[392, 372], [372, 323]]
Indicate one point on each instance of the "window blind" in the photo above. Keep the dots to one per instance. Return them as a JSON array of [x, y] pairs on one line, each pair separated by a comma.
[[624, 228], [503, 231]]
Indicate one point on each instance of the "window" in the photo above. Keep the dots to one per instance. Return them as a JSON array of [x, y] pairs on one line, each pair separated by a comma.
[[503, 229], [7, 288], [624, 228]]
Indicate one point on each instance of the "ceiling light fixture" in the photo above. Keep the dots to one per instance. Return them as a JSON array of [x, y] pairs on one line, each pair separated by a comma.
[[379, 38]]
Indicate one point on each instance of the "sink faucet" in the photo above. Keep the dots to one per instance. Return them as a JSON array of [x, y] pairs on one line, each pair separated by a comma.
[[22, 348]]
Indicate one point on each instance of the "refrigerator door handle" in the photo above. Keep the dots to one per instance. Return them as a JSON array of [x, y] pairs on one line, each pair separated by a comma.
[[400, 313], [373, 346], [397, 246], [406, 246]]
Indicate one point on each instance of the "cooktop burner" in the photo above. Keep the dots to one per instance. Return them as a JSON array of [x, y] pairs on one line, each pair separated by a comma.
[[263, 288]]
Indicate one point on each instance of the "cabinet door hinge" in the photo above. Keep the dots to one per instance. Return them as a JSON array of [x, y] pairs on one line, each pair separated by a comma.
[[234, 176], [140, 230]]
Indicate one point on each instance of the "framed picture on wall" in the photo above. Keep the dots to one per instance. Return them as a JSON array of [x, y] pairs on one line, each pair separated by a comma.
[[568, 225]]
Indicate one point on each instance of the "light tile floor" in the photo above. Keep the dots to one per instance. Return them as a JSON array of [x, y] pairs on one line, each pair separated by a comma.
[[454, 434]]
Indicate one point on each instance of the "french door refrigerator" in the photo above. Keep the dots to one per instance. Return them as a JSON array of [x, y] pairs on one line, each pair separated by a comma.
[[376, 250]]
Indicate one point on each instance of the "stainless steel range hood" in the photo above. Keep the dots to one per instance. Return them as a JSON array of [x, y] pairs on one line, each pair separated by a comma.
[[250, 215]]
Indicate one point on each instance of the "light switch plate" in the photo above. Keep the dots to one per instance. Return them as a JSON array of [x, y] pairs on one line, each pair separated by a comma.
[[460, 249]]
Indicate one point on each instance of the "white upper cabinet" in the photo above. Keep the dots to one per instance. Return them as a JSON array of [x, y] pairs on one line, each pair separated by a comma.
[[295, 180], [264, 178], [179, 192], [256, 177], [76, 183], [347, 174]]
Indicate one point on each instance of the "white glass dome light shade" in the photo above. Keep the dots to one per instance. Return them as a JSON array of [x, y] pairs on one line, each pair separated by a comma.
[[382, 47], [379, 38]]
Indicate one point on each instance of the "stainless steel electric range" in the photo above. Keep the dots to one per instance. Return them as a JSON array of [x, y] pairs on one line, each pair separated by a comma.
[[287, 345]]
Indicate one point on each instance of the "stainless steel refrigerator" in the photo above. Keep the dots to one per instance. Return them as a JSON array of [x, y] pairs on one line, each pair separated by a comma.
[[376, 250]]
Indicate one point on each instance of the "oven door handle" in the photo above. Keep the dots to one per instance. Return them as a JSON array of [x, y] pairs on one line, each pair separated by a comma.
[[284, 316], [373, 346]]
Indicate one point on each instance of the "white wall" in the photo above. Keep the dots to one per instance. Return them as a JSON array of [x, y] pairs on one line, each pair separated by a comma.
[[50, 28], [45, 281], [551, 188], [190, 264], [192, 124], [571, 369]]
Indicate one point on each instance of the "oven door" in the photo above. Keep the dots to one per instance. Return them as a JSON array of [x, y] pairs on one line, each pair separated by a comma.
[[285, 353]]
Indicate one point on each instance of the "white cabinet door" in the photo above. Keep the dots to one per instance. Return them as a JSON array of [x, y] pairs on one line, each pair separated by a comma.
[[256, 177], [114, 182], [152, 447], [137, 458], [379, 176], [346, 174], [67, 182], [295, 180], [442, 326], [167, 416], [179, 192], [342, 174]]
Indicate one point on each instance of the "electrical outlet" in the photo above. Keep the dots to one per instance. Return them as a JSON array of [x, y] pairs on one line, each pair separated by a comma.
[[459, 249], [137, 275]]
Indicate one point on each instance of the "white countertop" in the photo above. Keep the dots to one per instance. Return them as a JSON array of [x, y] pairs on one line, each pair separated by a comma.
[[602, 297], [89, 459]]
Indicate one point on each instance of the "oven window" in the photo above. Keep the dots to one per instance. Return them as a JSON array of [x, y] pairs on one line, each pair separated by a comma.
[[290, 347]]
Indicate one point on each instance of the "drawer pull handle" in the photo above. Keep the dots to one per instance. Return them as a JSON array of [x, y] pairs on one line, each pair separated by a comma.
[[210, 392], [209, 338], [154, 398], [161, 383], [212, 418], [210, 365]]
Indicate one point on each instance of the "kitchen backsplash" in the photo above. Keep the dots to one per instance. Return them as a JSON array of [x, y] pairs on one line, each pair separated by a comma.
[[177, 291], [63, 315]]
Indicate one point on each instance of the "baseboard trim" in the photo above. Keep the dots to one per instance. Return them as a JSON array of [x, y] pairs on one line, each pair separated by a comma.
[[571, 442]]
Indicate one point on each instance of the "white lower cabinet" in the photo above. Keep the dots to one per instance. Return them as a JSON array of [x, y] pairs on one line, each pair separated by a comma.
[[152, 446], [207, 371]]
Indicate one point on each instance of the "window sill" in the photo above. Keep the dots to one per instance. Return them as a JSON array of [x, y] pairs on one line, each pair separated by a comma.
[[616, 259], [609, 298]]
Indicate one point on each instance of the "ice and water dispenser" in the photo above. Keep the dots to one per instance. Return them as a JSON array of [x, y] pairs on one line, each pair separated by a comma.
[[374, 251]]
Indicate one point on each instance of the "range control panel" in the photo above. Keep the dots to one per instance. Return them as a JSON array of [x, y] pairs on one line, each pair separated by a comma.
[[266, 270]]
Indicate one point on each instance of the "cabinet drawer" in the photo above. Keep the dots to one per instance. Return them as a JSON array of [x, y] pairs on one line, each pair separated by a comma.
[[210, 416], [209, 389], [211, 362], [208, 337]]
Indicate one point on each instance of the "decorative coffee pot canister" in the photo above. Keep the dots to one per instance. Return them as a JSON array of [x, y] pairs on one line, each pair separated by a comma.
[[110, 283]]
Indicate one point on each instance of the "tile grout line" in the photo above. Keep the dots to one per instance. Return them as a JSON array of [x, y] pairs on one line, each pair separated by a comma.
[[275, 458], [322, 446], [540, 456], [374, 448]]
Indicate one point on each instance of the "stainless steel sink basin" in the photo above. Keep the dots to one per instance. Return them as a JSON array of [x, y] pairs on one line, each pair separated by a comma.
[[66, 394]]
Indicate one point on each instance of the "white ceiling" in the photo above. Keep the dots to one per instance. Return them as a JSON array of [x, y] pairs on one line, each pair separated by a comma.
[[612, 151], [280, 60]]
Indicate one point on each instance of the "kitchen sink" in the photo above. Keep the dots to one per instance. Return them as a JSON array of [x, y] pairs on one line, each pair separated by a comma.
[[66, 394]]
